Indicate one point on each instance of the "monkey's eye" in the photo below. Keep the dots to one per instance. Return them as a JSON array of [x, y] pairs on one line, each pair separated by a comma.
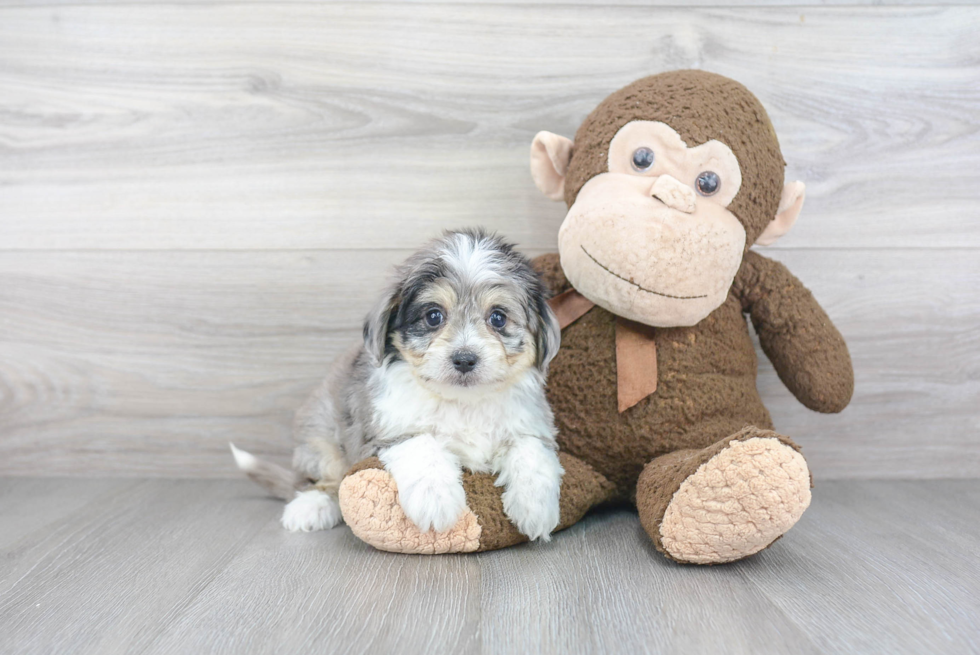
[[642, 159], [708, 183], [498, 319], [433, 317]]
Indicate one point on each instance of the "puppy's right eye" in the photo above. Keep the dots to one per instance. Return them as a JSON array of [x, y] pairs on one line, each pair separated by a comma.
[[433, 318], [498, 319]]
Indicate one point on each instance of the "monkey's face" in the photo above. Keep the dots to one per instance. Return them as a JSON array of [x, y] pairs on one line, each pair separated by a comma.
[[669, 181], [652, 239]]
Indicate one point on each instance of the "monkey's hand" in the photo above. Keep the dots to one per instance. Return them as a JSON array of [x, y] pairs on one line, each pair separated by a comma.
[[805, 348]]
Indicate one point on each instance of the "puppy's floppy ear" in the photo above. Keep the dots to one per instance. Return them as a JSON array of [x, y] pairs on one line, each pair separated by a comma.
[[548, 333], [378, 321]]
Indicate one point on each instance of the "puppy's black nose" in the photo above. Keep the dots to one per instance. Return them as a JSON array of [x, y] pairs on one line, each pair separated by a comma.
[[464, 360]]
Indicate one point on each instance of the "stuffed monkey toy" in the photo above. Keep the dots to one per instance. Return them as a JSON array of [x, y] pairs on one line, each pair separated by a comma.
[[669, 183]]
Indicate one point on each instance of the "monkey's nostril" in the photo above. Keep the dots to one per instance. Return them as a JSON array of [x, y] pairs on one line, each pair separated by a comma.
[[464, 361]]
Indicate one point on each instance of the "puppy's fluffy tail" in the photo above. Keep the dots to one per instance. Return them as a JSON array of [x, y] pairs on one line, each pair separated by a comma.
[[281, 482]]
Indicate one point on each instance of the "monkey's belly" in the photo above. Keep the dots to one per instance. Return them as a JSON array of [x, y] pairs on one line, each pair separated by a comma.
[[706, 391]]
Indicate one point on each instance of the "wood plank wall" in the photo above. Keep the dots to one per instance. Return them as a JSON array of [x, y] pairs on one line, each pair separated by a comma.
[[199, 201]]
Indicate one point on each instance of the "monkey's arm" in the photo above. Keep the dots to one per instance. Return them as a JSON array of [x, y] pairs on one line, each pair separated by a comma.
[[549, 268], [807, 351]]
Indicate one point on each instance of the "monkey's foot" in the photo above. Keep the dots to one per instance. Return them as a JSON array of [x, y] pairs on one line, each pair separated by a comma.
[[369, 502], [727, 501]]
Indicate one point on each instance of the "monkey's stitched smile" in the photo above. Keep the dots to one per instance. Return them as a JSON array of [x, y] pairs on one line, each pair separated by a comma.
[[615, 274]]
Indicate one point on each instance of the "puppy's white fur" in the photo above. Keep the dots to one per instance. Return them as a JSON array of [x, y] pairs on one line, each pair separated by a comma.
[[311, 510], [501, 432], [429, 479], [399, 397], [531, 476]]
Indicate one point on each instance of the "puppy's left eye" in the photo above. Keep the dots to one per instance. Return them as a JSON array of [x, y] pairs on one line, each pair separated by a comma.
[[433, 318], [498, 319]]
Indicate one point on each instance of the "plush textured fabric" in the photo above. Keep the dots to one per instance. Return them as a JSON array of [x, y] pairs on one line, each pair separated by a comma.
[[369, 502], [706, 390], [636, 351], [790, 206], [550, 170], [711, 480], [700, 106], [805, 348], [685, 162], [736, 503], [724, 502]]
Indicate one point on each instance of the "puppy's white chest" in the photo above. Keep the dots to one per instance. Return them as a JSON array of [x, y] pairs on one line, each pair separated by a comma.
[[471, 433], [474, 431]]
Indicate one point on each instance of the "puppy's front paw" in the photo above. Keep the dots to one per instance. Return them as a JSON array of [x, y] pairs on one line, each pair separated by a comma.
[[432, 503], [428, 476], [311, 510], [534, 511], [530, 474]]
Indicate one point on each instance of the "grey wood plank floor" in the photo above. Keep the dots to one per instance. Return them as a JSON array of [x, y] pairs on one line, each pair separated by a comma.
[[193, 566]]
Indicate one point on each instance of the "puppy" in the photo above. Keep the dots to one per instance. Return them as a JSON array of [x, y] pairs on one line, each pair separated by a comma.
[[451, 374]]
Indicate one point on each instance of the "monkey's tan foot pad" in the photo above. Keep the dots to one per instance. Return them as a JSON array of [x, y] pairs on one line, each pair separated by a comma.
[[725, 502], [369, 502], [737, 503]]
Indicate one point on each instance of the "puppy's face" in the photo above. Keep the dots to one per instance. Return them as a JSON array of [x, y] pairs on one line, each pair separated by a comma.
[[469, 316], [467, 337]]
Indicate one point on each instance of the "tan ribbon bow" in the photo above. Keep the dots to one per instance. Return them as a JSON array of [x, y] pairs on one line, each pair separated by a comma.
[[636, 351]]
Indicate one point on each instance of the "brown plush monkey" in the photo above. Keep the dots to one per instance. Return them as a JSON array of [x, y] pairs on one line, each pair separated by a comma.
[[669, 182]]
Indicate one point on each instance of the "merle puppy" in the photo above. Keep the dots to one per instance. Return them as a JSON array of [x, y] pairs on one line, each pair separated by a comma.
[[451, 374]]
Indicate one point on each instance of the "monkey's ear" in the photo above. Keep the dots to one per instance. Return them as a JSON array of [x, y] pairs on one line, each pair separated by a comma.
[[550, 155], [794, 193]]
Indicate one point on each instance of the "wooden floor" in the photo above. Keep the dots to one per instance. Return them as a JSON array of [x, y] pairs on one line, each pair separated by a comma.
[[194, 566]]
